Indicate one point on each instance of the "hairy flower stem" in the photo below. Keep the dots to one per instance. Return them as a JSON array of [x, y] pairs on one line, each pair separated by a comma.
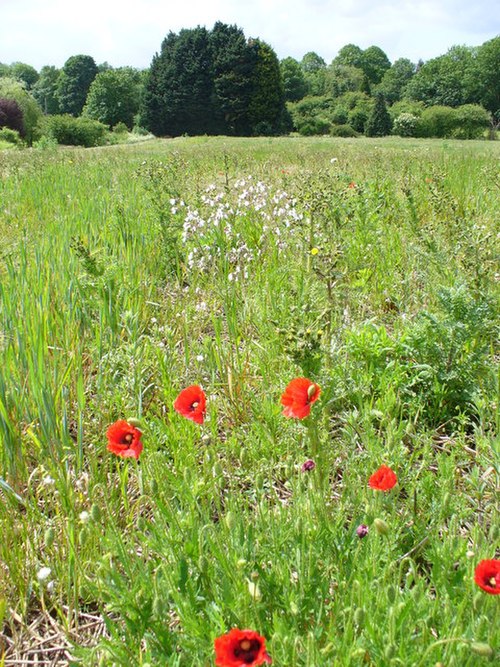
[[316, 454]]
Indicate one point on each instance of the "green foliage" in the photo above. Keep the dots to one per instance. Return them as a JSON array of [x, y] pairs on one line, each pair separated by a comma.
[[448, 354], [24, 73], [233, 64], [437, 364], [179, 91], [343, 131], [45, 89], [114, 96], [488, 81], [406, 106], [294, 81], [73, 83], [375, 64], [378, 123], [70, 131], [372, 62], [314, 68], [120, 128], [267, 101], [10, 136], [214, 83], [449, 80], [437, 121], [393, 83], [312, 62], [340, 79], [471, 121], [405, 125], [312, 115], [11, 89], [350, 55]]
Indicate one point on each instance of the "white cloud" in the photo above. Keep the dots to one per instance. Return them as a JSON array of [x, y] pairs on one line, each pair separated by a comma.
[[49, 31]]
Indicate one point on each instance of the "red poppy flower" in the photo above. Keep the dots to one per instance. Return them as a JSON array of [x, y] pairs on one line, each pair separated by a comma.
[[192, 403], [487, 576], [124, 439], [298, 397], [383, 479], [240, 648]]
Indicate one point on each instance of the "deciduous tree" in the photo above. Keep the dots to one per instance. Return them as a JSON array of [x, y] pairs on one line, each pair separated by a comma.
[[74, 82], [114, 96], [45, 89]]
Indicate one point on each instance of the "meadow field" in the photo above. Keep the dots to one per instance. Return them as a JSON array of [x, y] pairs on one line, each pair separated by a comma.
[[236, 266]]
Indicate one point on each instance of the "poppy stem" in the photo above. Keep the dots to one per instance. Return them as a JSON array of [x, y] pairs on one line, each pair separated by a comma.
[[122, 464], [312, 430]]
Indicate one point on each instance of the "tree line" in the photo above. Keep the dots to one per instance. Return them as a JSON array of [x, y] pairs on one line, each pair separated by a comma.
[[220, 82]]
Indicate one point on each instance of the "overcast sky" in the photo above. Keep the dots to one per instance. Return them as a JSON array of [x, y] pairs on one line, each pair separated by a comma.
[[47, 32]]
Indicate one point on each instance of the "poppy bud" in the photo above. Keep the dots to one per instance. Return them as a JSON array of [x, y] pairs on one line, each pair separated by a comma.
[[362, 531], [477, 600], [359, 616], [481, 649], [134, 422], [389, 651], [49, 537], [381, 527], [95, 512], [254, 590], [308, 465], [360, 653], [391, 594], [158, 607], [230, 520]]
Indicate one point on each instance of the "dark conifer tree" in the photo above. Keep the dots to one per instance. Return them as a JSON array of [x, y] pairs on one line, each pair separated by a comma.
[[233, 62], [379, 122], [267, 104], [213, 82], [179, 91]]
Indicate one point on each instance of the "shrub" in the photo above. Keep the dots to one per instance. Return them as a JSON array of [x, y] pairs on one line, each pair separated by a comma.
[[339, 115], [436, 368], [11, 89], [309, 110], [437, 121], [139, 130], [471, 121], [343, 131], [405, 125], [120, 128], [318, 125], [11, 116], [357, 118], [406, 106], [10, 136], [72, 131]]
